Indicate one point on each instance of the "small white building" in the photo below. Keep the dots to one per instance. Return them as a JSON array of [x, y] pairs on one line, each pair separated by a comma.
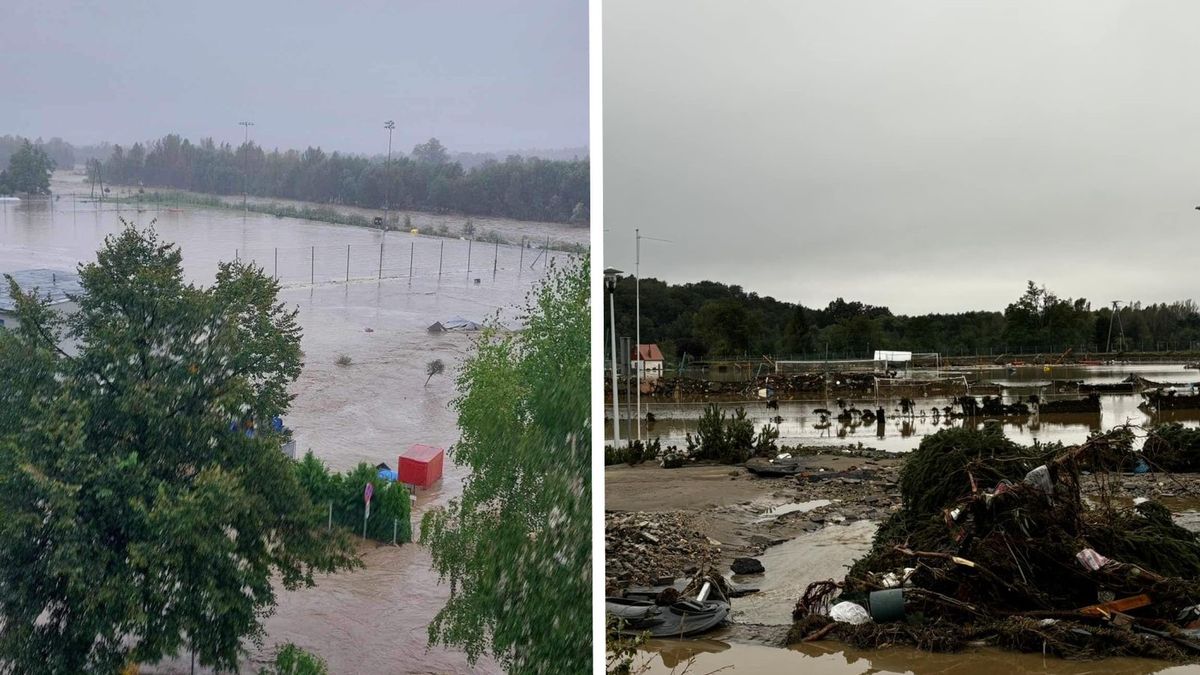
[[647, 362], [57, 286]]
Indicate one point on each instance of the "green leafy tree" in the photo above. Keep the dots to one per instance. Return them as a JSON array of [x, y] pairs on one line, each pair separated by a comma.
[[29, 171], [431, 152], [516, 547], [292, 660], [726, 326], [134, 522]]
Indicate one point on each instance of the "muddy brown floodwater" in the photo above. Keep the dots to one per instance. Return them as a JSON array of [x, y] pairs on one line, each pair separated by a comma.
[[800, 426], [371, 620]]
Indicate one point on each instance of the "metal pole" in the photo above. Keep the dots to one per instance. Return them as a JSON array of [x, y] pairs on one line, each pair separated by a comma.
[[546, 251], [469, 243], [387, 176], [347, 263], [612, 315], [637, 347], [412, 247], [246, 166], [441, 250], [235, 254], [381, 260], [522, 262], [495, 260]]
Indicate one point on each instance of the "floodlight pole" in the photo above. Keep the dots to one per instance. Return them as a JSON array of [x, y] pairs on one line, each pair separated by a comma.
[[246, 164], [637, 347], [387, 176], [611, 282]]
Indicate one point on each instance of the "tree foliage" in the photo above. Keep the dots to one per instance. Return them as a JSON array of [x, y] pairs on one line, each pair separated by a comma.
[[526, 188], [516, 547], [292, 660], [28, 171], [717, 320], [434, 367], [134, 522], [391, 506]]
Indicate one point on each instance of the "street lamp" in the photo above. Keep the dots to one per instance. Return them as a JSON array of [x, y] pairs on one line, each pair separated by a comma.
[[246, 164], [610, 283], [387, 175]]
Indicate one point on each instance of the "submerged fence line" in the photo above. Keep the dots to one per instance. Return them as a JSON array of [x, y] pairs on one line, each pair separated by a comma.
[[400, 258]]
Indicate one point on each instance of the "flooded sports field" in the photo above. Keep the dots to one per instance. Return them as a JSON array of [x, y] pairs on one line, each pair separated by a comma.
[[373, 619], [800, 425]]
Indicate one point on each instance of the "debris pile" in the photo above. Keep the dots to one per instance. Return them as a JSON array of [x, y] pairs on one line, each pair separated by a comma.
[[1160, 400], [1173, 447], [653, 549], [1088, 404], [994, 543]]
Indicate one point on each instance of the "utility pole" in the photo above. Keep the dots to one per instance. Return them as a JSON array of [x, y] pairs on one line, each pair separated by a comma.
[[387, 175], [637, 347], [246, 163], [637, 340], [1116, 313], [610, 281]]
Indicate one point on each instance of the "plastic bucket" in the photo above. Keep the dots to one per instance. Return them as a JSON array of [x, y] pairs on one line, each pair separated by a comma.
[[886, 605]]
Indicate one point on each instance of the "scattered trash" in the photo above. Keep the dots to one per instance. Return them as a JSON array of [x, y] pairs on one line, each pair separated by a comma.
[[1040, 479], [1091, 560], [849, 612], [886, 605]]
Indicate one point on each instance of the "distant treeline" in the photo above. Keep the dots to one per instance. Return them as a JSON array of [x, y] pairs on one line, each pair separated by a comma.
[[524, 188], [63, 153], [713, 320]]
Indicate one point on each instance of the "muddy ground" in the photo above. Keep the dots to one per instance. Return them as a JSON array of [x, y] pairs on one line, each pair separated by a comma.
[[799, 529]]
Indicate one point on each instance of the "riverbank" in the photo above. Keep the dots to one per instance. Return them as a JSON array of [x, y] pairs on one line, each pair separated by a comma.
[[535, 234]]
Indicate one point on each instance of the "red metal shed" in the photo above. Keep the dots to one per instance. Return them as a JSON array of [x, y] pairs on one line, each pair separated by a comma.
[[421, 465]]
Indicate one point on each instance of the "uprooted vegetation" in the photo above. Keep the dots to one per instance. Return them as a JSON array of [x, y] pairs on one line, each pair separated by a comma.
[[1173, 447], [997, 544]]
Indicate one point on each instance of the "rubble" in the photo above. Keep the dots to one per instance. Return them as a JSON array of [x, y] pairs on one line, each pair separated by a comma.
[[645, 549], [747, 566]]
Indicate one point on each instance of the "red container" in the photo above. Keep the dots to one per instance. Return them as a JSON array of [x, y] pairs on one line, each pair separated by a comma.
[[421, 465]]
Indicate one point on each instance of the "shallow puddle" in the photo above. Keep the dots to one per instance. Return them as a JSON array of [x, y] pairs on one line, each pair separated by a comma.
[[792, 565], [793, 507]]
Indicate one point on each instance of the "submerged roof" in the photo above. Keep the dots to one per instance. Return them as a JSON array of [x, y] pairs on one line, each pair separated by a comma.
[[459, 323], [55, 285]]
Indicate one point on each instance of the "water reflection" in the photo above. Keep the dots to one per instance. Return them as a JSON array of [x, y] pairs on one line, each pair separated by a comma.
[[800, 424]]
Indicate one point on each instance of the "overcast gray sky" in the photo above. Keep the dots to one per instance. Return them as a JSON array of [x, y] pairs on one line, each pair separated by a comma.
[[928, 156], [482, 75]]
